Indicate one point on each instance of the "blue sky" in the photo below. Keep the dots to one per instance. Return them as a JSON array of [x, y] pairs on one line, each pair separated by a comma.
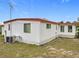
[[55, 10]]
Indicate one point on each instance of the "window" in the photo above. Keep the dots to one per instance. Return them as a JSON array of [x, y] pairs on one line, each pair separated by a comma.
[[27, 28], [8, 26], [48, 26], [61, 28], [56, 27], [69, 28]]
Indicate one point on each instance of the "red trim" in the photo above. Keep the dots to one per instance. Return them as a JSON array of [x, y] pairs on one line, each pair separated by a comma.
[[31, 19], [66, 23]]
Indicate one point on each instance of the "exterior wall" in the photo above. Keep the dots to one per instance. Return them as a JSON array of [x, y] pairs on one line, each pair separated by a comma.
[[39, 33], [66, 33], [3, 30], [18, 30], [47, 34], [58, 30]]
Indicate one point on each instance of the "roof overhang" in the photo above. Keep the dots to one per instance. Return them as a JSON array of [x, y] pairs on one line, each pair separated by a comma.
[[31, 19]]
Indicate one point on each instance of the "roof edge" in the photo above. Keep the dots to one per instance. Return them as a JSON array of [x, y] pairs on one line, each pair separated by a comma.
[[31, 19]]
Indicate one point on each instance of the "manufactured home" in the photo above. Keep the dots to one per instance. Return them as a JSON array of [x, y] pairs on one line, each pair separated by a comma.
[[36, 30]]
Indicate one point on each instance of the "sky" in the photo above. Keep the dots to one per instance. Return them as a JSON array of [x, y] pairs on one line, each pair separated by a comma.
[[54, 10]]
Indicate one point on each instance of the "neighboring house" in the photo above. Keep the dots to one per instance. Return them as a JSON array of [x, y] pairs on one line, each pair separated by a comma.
[[67, 30], [36, 30]]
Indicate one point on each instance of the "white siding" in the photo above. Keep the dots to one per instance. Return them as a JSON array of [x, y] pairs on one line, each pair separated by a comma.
[[47, 34], [39, 33], [3, 30], [66, 33], [18, 30], [6, 29]]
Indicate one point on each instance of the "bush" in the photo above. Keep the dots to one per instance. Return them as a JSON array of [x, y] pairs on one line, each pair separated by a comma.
[[77, 35]]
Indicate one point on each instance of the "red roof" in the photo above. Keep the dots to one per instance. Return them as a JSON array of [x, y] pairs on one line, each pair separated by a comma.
[[67, 23], [31, 19]]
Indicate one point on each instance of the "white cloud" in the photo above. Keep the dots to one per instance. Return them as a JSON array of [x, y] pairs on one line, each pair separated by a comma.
[[63, 1]]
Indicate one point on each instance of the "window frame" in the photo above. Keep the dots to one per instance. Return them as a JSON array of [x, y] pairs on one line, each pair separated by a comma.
[[48, 26], [9, 26], [56, 27], [69, 28], [61, 28], [25, 29]]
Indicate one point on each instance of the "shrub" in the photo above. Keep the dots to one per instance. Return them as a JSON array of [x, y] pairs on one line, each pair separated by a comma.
[[77, 35]]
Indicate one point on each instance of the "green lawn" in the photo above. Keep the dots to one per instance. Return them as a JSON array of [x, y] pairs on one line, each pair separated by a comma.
[[61, 47]]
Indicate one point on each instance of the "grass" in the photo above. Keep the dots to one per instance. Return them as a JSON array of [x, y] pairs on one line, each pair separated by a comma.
[[55, 48], [65, 43]]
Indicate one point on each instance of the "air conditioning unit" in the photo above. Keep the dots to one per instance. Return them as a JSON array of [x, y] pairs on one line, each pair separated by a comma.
[[10, 39]]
